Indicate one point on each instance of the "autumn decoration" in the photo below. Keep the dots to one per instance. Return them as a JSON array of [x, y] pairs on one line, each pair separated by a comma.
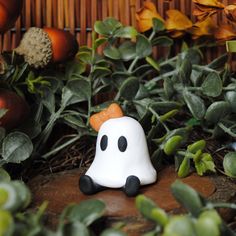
[[177, 24], [50, 112], [41, 46]]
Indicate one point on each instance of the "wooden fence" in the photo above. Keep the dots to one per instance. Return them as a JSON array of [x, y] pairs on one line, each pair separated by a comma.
[[78, 16]]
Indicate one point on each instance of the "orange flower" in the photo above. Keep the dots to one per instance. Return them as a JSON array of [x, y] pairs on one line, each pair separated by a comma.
[[177, 23], [145, 15], [230, 12], [225, 32], [203, 28], [206, 8]]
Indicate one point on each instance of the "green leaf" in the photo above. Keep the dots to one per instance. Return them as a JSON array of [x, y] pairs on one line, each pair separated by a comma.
[[74, 68], [218, 62], [3, 112], [184, 167], [204, 163], [230, 97], [187, 197], [112, 52], [113, 232], [168, 87], [196, 146], [217, 111], [112, 23], [48, 100], [169, 115], [85, 57], [126, 32], [16, 147], [69, 98], [195, 104], [101, 28], [164, 107], [74, 229], [107, 27], [158, 25], [86, 212], [172, 144], [183, 132], [127, 50], [143, 46], [212, 85], [100, 72], [153, 63], [2, 133], [74, 120], [229, 164], [129, 88], [142, 93], [231, 46], [81, 88], [99, 42], [145, 206], [180, 225], [185, 71], [4, 176], [23, 192], [163, 41], [194, 55]]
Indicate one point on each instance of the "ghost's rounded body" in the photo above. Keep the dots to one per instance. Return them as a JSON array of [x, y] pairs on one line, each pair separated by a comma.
[[121, 151]]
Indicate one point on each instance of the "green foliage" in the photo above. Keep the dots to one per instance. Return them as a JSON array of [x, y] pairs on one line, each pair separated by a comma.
[[201, 217], [229, 164], [157, 92]]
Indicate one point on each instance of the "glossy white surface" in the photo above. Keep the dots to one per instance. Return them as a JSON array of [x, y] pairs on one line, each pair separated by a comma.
[[111, 167]]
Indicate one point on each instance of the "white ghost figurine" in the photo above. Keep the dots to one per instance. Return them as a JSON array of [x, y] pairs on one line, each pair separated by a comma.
[[122, 159]]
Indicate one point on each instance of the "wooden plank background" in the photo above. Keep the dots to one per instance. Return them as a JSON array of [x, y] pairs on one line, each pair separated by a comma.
[[78, 17]]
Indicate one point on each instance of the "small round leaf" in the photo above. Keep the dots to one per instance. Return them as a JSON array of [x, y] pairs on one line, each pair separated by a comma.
[[212, 85], [16, 147], [216, 111]]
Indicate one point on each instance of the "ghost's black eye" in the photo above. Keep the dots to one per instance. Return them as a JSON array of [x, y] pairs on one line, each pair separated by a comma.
[[122, 143], [104, 142]]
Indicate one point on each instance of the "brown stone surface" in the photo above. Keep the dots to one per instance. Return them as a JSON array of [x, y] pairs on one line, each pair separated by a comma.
[[62, 189]]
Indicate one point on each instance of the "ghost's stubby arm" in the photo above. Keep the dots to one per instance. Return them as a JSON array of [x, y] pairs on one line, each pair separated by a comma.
[[89, 187]]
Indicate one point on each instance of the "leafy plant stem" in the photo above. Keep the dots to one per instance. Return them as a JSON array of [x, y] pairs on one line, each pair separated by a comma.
[[227, 130], [89, 111], [204, 68], [2, 162], [47, 130], [166, 62], [183, 153], [161, 77], [41, 211], [221, 205], [132, 65], [54, 151], [159, 119]]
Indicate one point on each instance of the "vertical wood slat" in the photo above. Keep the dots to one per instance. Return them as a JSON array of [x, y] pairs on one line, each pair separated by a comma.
[[78, 16]]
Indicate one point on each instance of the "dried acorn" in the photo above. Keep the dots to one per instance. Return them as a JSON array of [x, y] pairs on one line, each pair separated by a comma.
[[41, 46]]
